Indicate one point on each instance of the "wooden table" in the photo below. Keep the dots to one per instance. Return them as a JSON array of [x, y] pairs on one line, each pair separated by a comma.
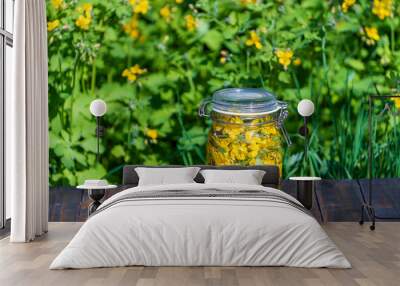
[[96, 193], [305, 189]]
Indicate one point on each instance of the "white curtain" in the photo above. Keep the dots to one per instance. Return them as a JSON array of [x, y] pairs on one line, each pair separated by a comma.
[[27, 124]]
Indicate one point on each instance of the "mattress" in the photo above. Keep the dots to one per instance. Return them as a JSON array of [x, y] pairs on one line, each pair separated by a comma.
[[201, 225]]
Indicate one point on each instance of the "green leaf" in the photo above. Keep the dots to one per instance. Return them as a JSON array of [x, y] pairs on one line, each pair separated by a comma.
[[355, 64], [213, 39], [110, 35], [232, 46], [284, 77], [65, 135], [229, 32], [55, 125], [161, 115], [68, 162], [118, 151], [154, 81], [89, 144], [139, 144], [173, 75], [243, 18], [97, 172], [167, 95], [70, 177]]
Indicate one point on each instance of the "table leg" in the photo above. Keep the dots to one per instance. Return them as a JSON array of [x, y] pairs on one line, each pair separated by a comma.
[[96, 196], [305, 193], [318, 204]]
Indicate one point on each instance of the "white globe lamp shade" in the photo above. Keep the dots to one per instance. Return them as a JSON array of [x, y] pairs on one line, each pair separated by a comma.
[[98, 107], [305, 107]]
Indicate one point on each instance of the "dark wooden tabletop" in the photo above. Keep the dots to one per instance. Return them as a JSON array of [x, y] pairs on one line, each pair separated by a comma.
[[340, 200]]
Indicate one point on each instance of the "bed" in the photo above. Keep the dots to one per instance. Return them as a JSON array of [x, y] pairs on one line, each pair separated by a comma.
[[197, 224]]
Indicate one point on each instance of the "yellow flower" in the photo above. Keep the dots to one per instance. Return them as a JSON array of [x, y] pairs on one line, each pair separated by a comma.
[[140, 6], [178, 1], [244, 142], [254, 40], [382, 8], [137, 70], [397, 102], [165, 12], [131, 28], [87, 8], [152, 134], [347, 4], [132, 73], [297, 62], [191, 22], [233, 132], [224, 56], [248, 136], [372, 33], [285, 57], [83, 22], [57, 4], [253, 154], [238, 152], [224, 143], [85, 18], [245, 2], [52, 25]]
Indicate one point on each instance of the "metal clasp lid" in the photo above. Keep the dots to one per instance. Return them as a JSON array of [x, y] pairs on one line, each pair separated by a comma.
[[283, 114], [203, 107]]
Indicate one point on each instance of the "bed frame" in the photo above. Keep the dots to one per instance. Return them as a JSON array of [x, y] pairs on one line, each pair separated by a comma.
[[271, 178]]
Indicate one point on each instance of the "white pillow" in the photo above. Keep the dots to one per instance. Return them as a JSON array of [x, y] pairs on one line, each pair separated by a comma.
[[166, 176], [248, 177]]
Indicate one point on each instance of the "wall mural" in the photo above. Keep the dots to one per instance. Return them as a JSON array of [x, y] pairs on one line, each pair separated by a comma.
[[154, 62]]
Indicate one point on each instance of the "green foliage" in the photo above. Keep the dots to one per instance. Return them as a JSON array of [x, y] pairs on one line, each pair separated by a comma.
[[152, 118]]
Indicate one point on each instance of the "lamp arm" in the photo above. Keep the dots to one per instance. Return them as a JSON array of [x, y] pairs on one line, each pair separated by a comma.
[[98, 138], [305, 140]]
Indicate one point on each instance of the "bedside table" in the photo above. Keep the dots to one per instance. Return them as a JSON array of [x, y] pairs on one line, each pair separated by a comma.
[[95, 193], [305, 189]]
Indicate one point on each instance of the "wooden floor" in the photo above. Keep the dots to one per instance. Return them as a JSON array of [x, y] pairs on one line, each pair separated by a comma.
[[375, 257]]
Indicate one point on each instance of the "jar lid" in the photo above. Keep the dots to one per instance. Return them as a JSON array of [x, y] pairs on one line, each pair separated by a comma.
[[244, 101]]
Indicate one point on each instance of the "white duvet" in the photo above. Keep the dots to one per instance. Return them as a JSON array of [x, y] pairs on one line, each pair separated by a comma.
[[200, 231]]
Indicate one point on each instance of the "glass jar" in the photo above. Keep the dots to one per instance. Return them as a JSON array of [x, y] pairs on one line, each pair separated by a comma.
[[247, 127]]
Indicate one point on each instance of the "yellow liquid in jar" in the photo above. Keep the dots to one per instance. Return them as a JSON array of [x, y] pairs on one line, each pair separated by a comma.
[[235, 141]]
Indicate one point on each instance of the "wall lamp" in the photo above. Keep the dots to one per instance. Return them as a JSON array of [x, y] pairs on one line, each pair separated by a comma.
[[98, 108], [305, 108]]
